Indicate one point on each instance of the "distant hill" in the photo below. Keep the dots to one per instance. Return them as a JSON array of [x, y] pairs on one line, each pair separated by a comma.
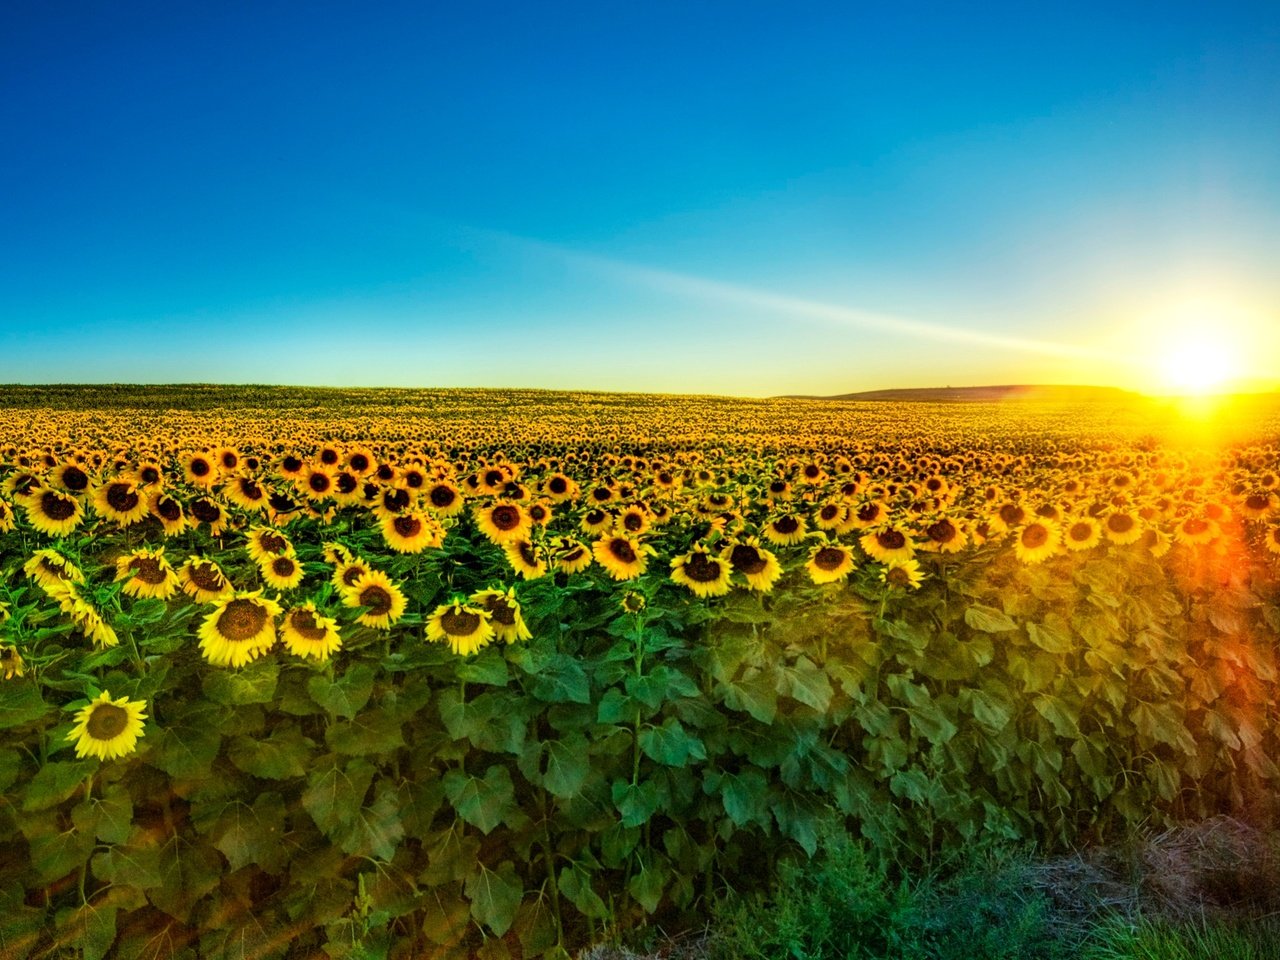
[[984, 394]]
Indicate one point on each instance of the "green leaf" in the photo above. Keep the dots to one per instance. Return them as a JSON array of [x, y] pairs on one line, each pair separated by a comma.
[[10, 767], [129, 866], [56, 853], [373, 732], [248, 835], [1160, 722], [374, 830], [636, 802], [648, 883], [488, 668], [285, 753], [910, 785], [21, 704], [1064, 718], [562, 680], [495, 895], [20, 925], [344, 696], [335, 793], [483, 802], [743, 795], [805, 682], [988, 619], [55, 782], [109, 817], [987, 710], [254, 683], [1052, 636], [754, 693], [89, 929], [575, 884], [671, 745], [188, 872], [185, 749], [932, 723], [567, 765]]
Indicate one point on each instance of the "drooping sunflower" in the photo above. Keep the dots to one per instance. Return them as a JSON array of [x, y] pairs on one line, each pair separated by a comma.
[[146, 573], [502, 521], [829, 562], [246, 492], [623, 557], [1156, 541], [119, 500], [703, 574], [53, 513], [238, 629], [1036, 541], [504, 613], [757, 565], [570, 555], [786, 530], [1081, 533], [205, 511], [203, 580], [48, 568], [336, 553], [384, 600], [265, 544], [282, 572], [465, 628], [410, 532], [888, 545], [307, 633], [168, 510], [904, 574], [11, 664], [528, 559], [108, 729]]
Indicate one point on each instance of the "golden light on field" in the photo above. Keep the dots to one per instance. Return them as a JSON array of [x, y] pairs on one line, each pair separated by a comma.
[[1199, 362]]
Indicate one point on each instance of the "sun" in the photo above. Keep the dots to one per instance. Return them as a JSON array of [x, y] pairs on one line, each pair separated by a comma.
[[1199, 362]]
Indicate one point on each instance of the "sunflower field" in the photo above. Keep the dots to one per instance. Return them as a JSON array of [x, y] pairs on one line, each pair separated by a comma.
[[400, 674]]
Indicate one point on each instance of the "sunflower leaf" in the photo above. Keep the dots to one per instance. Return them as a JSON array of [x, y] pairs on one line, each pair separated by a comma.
[[482, 802], [495, 895], [344, 696]]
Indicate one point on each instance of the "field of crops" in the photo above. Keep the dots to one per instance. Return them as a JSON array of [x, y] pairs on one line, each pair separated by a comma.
[[459, 673]]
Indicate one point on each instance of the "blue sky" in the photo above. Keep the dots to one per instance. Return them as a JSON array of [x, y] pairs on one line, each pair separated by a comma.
[[723, 198]]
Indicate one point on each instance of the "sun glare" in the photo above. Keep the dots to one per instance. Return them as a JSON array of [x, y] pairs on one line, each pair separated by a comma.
[[1199, 362]]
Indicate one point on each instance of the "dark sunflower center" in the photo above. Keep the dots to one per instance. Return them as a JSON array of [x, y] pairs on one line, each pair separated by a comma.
[[1257, 501], [230, 461], [347, 483], [169, 509], [442, 496], [573, 555], [595, 517], [493, 477], [120, 498], [249, 489], [891, 539], [304, 624], [54, 568], [1120, 523], [1195, 526], [395, 500], [537, 513], [1080, 532], [376, 599], [283, 566], [778, 486], [633, 522], [501, 611], [702, 569], [746, 559], [281, 504], [786, 525], [829, 512], [273, 543], [359, 462], [407, 527], [206, 511], [414, 479], [200, 468], [828, 558], [528, 555], [291, 464], [206, 576], [319, 482], [1012, 514], [811, 471], [57, 507], [147, 569], [621, 549], [328, 456], [558, 485], [352, 574], [460, 623], [505, 517], [898, 577], [73, 478], [107, 721], [241, 620], [1035, 536], [944, 531]]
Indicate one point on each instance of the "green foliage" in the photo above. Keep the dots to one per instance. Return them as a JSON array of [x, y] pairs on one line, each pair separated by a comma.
[[1155, 939]]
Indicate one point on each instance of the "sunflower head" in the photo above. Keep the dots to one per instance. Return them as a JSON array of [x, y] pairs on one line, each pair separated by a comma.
[[240, 628], [306, 633], [106, 728], [465, 628]]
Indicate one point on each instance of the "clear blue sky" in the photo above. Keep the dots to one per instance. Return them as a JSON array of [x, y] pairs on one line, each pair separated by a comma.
[[733, 198]]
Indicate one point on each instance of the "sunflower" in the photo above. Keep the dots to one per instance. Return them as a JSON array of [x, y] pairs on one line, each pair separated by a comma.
[[444, 498], [502, 521], [200, 470], [207, 511], [246, 492], [887, 545], [108, 729], [203, 581], [1037, 540], [282, 573], [527, 559], [316, 482], [1259, 505], [633, 602], [466, 629], [227, 458], [1122, 527], [238, 629], [347, 572], [570, 555], [10, 661], [410, 532], [148, 473], [540, 512], [623, 557], [168, 510], [1273, 539], [1082, 533], [757, 565], [146, 573], [307, 633], [596, 521], [82, 613], [53, 513], [560, 488], [6, 516], [703, 574], [785, 530], [870, 514], [49, 568], [336, 553], [829, 562], [504, 614], [905, 574], [361, 461], [1196, 531], [119, 500], [71, 477], [265, 544], [383, 599], [1156, 541], [944, 535], [830, 516]]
